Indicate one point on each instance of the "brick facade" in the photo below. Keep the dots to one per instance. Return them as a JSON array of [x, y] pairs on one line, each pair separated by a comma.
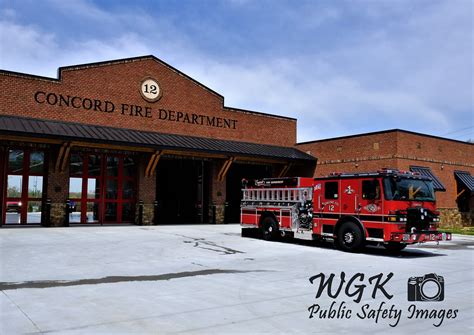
[[118, 82], [398, 149]]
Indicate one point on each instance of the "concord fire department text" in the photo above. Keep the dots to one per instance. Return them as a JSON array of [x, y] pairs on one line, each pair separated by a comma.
[[106, 106]]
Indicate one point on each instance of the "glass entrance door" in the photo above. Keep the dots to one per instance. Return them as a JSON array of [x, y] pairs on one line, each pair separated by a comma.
[[101, 188], [24, 186]]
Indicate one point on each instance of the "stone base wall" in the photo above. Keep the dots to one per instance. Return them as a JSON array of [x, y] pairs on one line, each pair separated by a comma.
[[468, 218], [452, 218], [148, 215], [57, 214], [220, 214]]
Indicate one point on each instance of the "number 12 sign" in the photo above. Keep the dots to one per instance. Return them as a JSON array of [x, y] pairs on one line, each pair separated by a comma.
[[150, 89]]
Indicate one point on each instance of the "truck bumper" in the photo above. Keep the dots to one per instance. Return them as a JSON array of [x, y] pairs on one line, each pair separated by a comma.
[[419, 237]]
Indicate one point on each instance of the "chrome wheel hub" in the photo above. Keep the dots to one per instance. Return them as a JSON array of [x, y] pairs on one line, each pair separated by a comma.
[[348, 237]]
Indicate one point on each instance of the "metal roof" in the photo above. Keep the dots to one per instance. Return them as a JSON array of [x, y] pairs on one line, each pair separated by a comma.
[[381, 173], [92, 133], [466, 179], [426, 171]]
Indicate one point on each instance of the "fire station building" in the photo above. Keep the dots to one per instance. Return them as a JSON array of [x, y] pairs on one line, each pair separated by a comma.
[[132, 141], [449, 163], [137, 141]]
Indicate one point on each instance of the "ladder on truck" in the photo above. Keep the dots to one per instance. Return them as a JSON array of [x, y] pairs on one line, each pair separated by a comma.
[[290, 196]]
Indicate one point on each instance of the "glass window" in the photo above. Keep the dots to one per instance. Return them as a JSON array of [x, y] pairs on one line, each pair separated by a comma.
[[92, 214], [14, 186], [15, 161], [93, 188], [76, 164], [112, 166], [128, 167], [331, 190], [34, 212], [94, 165], [111, 211], [13, 211], [75, 188], [128, 213], [370, 189], [75, 213], [35, 186], [112, 189], [128, 189], [36, 162], [408, 189]]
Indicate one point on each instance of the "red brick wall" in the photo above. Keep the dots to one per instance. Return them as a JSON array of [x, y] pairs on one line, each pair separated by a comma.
[[397, 149], [119, 82], [364, 153], [432, 148]]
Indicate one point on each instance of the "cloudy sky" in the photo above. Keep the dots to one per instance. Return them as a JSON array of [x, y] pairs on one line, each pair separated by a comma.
[[339, 67]]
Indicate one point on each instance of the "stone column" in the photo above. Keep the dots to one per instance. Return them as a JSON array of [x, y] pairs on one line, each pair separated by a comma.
[[217, 193], [146, 191], [57, 189], [450, 218]]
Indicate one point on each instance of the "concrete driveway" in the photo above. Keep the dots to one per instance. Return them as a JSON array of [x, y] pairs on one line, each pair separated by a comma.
[[206, 279]]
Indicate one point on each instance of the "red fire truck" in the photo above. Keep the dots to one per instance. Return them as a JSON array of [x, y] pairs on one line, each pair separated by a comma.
[[389, 207]]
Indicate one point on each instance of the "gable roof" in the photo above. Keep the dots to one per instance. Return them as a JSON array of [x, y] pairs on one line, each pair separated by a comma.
[[131, 60]]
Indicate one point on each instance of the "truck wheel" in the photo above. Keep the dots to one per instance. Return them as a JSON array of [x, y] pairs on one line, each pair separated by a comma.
[[394, 247], [269, 229], [350, 237]]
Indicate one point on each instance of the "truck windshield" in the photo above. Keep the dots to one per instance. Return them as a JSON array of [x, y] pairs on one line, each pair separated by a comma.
[[396, 188]]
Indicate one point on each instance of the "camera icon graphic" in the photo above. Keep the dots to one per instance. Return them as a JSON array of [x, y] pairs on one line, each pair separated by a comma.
[[429, 287]]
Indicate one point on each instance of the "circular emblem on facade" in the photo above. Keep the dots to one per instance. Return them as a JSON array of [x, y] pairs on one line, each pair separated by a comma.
[[150, 89]]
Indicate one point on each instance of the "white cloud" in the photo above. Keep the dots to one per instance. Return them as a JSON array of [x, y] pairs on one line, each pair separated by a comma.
[[324, 107], [25, 47], [414, 75]]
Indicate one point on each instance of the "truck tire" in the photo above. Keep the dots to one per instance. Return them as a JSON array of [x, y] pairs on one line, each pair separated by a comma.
[[269, 229], [350, 237], [394, 247]]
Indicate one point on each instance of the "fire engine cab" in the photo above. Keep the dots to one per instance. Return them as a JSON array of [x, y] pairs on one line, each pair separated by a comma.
[[389, 207]]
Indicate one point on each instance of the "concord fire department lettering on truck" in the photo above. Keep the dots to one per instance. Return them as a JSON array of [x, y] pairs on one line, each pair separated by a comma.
[[390, 207]]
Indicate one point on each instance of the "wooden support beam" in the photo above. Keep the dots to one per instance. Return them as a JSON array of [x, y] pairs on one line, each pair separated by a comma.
[[153, 167], [31, 139], [225, 167], [195, 154], [285, 170], [150, 164], [460, 193], [111, 147], [60, 157], [456, 186], [66, 157]]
